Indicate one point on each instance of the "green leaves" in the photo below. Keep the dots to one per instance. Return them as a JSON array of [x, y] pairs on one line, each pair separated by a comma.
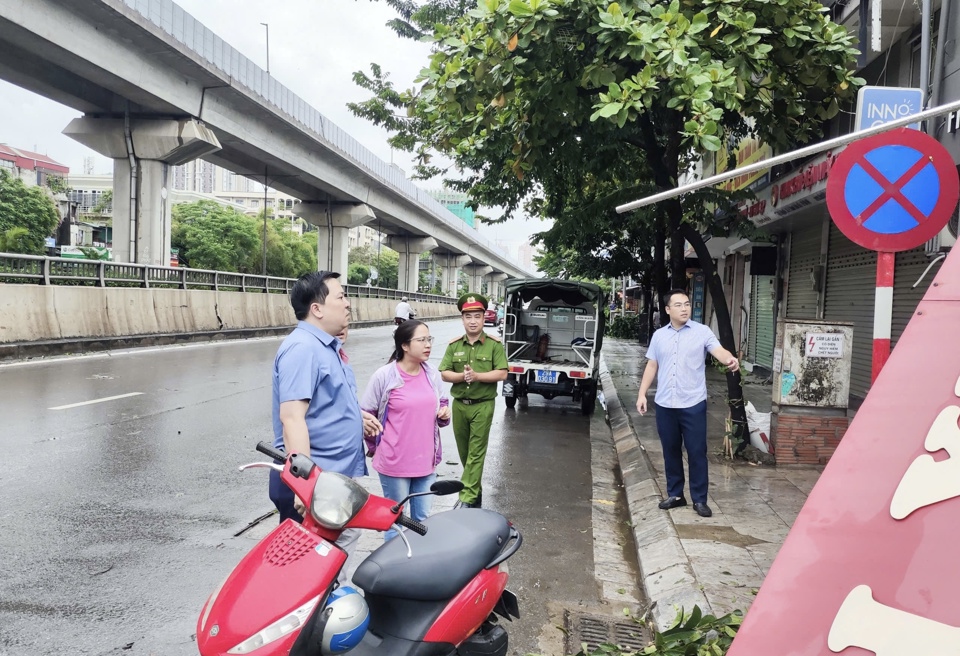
[[28, 215], [607, 110], [210, 236], [613, 17], [696, 634], [532, 101], [520, 8], [699, 23], [362, 259]]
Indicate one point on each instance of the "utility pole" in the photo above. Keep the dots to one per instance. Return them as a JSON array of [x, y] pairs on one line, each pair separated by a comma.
[[623, 290], [613, 298], [264, 222], [267, 26]]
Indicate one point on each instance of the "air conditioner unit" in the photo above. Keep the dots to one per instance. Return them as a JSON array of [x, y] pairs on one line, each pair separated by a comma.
[[947, 237]]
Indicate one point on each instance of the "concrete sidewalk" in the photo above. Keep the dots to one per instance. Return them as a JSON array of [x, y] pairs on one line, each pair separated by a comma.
[[716, 563]]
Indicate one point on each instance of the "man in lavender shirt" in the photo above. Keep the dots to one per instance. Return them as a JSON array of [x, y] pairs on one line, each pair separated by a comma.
[[676, 358]]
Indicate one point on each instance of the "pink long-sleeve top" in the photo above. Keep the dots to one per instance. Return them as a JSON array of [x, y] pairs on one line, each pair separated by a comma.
[[407, 406]]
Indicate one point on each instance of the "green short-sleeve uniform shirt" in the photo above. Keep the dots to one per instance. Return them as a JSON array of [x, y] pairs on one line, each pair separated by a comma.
[[485, 354]]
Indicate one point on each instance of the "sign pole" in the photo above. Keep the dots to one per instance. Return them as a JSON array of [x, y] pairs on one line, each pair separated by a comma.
[[882, 312]]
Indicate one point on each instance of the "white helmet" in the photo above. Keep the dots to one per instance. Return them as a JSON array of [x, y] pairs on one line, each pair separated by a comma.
[[347, 623]]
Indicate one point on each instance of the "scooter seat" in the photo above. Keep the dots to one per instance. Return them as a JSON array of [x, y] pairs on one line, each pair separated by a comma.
[[457, 546]]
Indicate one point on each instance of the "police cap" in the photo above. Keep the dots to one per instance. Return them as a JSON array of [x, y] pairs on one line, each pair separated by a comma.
[[470, 302]]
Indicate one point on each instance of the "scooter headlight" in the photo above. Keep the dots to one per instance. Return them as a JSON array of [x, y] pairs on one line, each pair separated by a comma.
[[336, 500], [283, 626]]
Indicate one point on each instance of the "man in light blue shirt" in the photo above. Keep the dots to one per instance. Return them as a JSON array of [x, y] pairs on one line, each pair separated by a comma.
[[315, 405], [676, 358]]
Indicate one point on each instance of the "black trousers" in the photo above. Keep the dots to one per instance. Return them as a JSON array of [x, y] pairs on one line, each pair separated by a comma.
[[681, 428], [282, 497]]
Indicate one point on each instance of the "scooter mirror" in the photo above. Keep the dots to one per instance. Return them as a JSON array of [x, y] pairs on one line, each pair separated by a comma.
[[441, 488]]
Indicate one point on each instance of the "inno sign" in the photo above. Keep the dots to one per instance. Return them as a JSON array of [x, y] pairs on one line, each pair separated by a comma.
[[879, 105]]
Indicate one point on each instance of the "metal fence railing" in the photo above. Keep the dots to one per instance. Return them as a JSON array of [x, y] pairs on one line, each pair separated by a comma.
[[41, 270]]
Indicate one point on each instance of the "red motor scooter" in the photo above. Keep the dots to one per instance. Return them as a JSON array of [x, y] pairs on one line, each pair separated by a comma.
[[436, 591]]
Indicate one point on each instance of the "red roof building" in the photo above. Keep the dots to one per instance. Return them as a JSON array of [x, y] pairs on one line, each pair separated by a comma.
[[30, 167]]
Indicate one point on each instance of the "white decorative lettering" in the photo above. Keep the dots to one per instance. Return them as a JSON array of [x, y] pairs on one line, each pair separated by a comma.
[[926, 480], [865, 623]]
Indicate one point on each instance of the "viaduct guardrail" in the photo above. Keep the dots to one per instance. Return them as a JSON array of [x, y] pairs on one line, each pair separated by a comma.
[[42, 270]]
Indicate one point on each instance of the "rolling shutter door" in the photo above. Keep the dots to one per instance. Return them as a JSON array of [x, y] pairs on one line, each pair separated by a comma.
[[851, 286], [804, 256], [761, 321], [910, 266]]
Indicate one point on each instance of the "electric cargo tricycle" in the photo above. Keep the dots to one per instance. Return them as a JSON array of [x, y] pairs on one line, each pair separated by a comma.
[[553, 331]]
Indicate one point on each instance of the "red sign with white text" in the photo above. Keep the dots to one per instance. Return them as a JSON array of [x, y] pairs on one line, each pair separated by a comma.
[[871, 563]]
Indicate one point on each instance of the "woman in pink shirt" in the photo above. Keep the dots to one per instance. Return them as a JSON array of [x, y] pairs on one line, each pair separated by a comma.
[[405, 395]]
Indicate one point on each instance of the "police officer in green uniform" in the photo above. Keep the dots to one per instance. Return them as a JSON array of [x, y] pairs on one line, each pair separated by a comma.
[[474, 363]]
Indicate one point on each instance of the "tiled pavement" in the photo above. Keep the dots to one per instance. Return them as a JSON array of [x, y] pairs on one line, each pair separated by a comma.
[[716, 563]]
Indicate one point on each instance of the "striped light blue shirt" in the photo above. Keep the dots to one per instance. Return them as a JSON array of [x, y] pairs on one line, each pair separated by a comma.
[[680, 356]]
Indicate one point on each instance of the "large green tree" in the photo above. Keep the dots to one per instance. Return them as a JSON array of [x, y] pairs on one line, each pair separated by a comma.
[[364, 258], [561, 106], [28, 215], [416, 21], [211, 236], [289, 254]]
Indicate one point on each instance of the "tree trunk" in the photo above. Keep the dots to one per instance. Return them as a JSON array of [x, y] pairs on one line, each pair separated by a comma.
[[738, 413], [659, 265], [678, 265]]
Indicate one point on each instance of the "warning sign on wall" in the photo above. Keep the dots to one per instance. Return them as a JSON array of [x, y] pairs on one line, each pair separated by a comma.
[[824, 345]]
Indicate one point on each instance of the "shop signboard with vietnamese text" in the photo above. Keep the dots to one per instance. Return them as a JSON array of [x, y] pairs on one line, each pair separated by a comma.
[[748, 150], [791, 193]]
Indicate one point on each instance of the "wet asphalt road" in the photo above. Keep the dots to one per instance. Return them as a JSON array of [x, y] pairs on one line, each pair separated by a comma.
[[117, 518]]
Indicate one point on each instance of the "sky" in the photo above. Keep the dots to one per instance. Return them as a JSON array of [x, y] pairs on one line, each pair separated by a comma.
[[315, 47]]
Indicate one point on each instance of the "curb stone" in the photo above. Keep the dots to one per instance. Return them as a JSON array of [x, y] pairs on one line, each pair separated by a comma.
[[667, 576], [617, 580]]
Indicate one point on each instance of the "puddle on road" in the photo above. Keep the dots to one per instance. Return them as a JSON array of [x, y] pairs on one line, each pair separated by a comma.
[[724, 534]]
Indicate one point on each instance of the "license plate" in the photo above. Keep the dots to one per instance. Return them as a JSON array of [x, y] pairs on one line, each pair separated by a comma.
[[547, 376]]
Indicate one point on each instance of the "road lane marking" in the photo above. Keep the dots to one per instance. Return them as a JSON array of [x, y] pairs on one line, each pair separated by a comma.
[[103, 400]]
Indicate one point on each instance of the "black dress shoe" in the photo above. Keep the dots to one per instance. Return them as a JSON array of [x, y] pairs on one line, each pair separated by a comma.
[[703, 509], [672, 502]]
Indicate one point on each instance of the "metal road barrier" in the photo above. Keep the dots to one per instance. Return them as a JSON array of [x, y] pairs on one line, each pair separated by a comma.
[[41, 270]]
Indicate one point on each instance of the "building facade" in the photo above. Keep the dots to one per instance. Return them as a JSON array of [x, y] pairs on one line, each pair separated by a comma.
[[241, 192], [804, 268], [456, 202], [32, 168]]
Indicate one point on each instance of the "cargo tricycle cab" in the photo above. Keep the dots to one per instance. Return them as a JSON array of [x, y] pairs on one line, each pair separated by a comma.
[[553, 331]]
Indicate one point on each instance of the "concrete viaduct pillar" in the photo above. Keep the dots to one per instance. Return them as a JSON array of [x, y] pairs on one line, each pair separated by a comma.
[[477, 273], [334, 223], [452, 264], [143, 150], [410, 249], [495, 282]]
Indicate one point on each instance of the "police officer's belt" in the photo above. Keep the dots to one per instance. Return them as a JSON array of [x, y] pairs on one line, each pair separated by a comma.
[[472, 401]]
